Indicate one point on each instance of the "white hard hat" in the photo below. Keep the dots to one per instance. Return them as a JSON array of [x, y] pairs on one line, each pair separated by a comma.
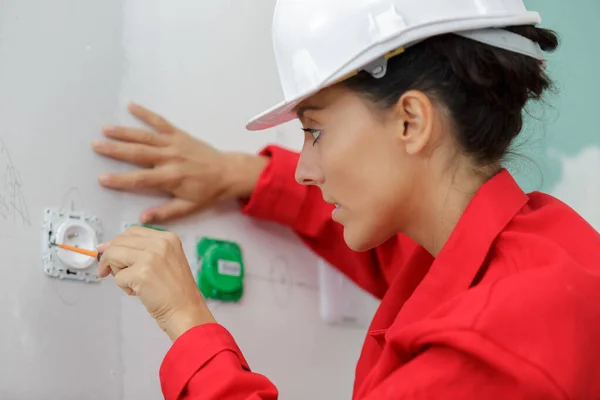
[[320, 42]]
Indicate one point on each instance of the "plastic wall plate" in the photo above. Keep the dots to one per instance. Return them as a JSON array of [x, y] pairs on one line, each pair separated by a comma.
[[342, 302], [76, 229]]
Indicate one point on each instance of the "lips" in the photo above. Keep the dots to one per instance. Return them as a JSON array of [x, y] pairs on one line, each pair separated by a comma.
[[338, 206], [330, 201], [336, 212]]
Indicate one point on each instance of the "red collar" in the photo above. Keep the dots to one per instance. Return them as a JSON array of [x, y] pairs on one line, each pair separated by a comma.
[[494, 205]]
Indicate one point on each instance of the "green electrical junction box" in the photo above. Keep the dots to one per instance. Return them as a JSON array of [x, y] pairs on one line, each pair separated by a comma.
[[220, 269]]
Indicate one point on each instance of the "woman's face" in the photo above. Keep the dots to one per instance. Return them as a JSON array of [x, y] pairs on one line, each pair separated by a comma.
[[365, 161]]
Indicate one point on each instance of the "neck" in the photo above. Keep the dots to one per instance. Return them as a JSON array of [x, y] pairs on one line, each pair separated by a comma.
[[446, 199]]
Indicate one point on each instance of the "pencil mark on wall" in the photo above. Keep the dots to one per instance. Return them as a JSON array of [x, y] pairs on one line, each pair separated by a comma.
[[13, 206], [308, 286], [281, 274], [71, 200], [282, 281]]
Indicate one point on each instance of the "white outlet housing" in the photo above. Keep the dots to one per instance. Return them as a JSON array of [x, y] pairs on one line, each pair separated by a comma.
[[72, 228], [342, 302]]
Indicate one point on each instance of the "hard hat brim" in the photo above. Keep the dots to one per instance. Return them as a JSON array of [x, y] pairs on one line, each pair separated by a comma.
[[276, 115]]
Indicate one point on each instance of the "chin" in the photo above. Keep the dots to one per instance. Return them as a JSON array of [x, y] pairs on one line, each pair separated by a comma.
[[360, 240]]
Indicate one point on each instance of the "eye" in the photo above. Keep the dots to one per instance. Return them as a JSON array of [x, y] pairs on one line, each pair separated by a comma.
[[315, 132]]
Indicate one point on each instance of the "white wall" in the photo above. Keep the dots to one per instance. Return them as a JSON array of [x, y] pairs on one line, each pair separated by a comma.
[[67, 67], [60, 76]]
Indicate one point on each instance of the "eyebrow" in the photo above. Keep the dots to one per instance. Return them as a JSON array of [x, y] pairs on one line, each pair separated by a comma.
[[302, 110]]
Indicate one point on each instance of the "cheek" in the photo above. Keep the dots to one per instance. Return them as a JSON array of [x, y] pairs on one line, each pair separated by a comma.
[[360, 165], [379, 203], [346, 170], [377, 198]]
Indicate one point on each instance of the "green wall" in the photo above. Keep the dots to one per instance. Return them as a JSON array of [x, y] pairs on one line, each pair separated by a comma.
[[570, 120]]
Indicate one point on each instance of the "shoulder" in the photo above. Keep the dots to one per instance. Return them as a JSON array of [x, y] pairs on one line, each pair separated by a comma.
[[540, 326], [545, 232], [549, 289], [562, 295], [542, 207]]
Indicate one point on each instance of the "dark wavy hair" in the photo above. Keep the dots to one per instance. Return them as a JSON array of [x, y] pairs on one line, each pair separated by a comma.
[[485, 88]]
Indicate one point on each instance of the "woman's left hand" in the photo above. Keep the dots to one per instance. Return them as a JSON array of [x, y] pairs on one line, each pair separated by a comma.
[[151, 265]]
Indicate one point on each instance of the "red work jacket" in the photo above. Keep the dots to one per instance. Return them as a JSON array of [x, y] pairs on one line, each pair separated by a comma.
[[510, 308]]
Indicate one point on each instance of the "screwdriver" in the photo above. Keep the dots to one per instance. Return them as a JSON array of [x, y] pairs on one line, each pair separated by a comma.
[[91, 253]]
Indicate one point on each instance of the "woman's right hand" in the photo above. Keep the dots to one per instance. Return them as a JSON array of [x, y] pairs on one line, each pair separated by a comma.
[[196, 174]]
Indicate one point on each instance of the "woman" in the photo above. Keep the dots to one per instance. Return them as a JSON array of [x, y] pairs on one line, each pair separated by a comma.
[[487, 292]]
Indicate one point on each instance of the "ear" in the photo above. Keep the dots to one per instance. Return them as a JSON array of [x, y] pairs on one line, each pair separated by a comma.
[[416, 113]]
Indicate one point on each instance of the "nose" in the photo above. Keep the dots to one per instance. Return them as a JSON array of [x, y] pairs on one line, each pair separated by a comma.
[[308, 171]]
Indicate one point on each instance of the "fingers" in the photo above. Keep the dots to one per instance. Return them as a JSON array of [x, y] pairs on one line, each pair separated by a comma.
[[139, 238], [135, 135], [102, 247], [135, 243], [130, 251], [174, 209], [135, 153], [125, 279], [157, 178], [103, 270], [116, 258], [152, 119]]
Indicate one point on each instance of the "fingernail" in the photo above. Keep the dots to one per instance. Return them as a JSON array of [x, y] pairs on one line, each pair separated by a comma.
[[104, 178], [146, 218], [109, 129]]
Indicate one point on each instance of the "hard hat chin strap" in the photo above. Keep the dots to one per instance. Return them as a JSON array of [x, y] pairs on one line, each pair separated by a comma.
[[500, 38]]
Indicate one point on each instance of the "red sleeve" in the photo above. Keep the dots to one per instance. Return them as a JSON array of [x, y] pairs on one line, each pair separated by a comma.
[[279, 198], [206, 363]]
